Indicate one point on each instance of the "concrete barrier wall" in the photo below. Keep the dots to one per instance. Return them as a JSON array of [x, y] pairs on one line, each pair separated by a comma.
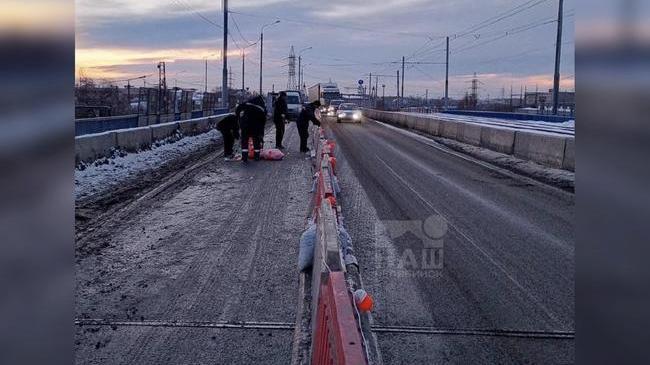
[[90, 147], [498, 139], [569, 162], [448, 129], [542, 148], [469, 133], [547, 149], [162, 131]]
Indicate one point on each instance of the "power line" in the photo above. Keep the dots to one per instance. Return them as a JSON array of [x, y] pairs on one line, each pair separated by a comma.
[[331, 25], [499, 17], [203, 17], [519, 29], [248, 43]]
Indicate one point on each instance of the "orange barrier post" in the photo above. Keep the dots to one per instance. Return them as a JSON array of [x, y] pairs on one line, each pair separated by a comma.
[[338, 337]]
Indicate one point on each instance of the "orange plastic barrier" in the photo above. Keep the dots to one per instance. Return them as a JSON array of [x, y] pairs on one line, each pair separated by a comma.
[[338, 338]]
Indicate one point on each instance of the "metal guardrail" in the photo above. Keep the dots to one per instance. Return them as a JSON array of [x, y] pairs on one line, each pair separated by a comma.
[[103, 124], [514, 116]]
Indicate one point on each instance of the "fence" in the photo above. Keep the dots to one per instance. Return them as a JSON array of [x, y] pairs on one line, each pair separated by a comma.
[[103, 124]]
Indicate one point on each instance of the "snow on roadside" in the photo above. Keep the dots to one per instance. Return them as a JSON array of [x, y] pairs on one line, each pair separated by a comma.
[[106, 174], [567, 127]]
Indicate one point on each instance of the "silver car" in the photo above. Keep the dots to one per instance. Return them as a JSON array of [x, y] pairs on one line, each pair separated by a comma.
[[348, 111]]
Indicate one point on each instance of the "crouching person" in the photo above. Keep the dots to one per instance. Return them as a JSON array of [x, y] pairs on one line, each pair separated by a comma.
[[252, 117], [229, 128], [307, 114]]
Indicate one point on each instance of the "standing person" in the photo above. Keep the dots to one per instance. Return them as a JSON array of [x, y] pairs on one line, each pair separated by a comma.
[[307, 114], [252, 117], [229, 128], [280, 112]]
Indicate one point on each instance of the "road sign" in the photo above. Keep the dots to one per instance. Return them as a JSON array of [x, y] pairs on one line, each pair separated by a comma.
[[360, 82]]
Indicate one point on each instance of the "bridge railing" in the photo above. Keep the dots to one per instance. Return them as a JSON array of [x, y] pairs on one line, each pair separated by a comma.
[[103, 124]]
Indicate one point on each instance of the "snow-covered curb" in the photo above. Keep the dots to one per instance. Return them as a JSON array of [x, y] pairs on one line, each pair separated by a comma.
[[107, 174], [549, 149]]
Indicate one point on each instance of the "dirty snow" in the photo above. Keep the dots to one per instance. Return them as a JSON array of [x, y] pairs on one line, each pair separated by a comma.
[[565, 128], [106, 174]]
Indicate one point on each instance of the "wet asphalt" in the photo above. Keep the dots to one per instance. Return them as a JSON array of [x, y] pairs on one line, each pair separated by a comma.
[[220, 246], [447, 244]]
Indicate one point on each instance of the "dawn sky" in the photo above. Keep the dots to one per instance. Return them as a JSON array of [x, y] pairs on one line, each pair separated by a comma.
[[504, 42]]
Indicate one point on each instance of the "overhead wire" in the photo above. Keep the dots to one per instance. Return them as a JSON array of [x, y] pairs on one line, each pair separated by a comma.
[[197, 13]]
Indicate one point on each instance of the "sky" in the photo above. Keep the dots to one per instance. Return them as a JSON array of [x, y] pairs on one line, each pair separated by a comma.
[[506, 43]]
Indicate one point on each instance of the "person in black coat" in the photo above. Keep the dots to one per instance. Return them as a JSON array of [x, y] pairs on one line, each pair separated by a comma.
[[307, 114], [280, 112], [229, 128], [252, 117]]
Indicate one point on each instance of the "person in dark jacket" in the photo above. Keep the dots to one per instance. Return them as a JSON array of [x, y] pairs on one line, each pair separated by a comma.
[[252, 117], [280, 112], [229, 128], [307, 114]]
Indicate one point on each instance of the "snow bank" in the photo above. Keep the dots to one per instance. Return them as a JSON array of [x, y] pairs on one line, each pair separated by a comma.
[[106, 174], [565, 128]]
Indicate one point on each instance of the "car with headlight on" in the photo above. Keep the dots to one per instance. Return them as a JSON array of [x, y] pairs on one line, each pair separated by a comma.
[[348, 111], [333, 107]]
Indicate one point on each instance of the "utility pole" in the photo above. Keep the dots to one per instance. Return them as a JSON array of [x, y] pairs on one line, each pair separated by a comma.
[[402, 77], [447, 75], [206, 76], [376, 86], [426, 97], [558, 51], [162, 85], [525, 93], [230, 78], [262, 50], [224, 81], [243, 67], [370, 86], [398, 89], [128, 95], [510, 97], [261, 57]]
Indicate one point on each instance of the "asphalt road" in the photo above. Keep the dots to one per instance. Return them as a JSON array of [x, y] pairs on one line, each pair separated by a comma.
[[168, 280], [501, 289]]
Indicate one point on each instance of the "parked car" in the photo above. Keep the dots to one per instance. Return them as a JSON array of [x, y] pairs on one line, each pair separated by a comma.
[[348, 111], [294, 104]]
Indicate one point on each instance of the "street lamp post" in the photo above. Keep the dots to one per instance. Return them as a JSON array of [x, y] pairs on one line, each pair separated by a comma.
[[262, 49], [299, 64], [243, 64]]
